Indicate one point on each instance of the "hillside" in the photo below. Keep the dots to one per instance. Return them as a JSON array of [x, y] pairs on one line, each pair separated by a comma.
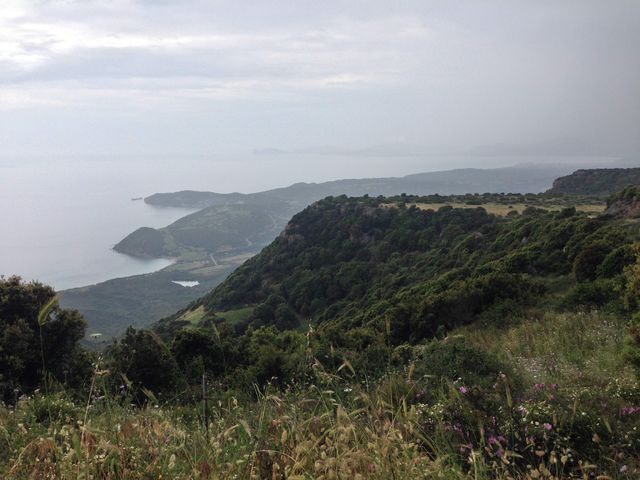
[[208, 244], [597, 181], [219, 228], [349, 263]]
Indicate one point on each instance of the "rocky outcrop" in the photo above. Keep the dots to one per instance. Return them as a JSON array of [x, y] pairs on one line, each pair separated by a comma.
[[596, 181], [625, 204]]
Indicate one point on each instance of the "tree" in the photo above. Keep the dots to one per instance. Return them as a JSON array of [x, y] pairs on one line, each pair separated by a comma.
[[146, 362], [585, 266], [21, 350], [198, 351]]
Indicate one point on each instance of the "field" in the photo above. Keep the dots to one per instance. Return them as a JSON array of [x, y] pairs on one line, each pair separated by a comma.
[[504, 209]]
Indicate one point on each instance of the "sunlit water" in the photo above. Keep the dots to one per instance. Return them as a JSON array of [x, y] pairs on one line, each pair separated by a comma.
[[60, 217]]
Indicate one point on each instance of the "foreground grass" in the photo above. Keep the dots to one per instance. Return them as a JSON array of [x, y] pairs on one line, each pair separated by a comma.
[[398, 430], [576, 416]]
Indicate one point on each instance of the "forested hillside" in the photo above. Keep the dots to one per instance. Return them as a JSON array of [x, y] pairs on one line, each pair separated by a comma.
[[386, 263]]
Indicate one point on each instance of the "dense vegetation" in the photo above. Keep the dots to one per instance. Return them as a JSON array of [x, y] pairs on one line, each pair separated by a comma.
[[599, 181], [377, 264], [372, 339]]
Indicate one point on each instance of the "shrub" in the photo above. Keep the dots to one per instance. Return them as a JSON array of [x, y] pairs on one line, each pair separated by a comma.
[[596, 293], [586, 263], [453, 360], [144, 359]]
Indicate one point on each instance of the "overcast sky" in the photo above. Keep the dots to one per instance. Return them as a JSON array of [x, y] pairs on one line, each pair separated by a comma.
[[190, 76]]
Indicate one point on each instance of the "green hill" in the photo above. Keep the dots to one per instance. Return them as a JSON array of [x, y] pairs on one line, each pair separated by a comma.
[[220, 228], [351, 263]]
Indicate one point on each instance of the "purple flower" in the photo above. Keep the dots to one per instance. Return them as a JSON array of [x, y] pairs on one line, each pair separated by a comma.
[[538, 386], [629, 410], [547, 426], [493, 440], [464, 390], [500, 453]]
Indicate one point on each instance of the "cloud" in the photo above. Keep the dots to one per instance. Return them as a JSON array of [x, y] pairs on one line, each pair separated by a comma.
[[94, 54], [351, 72]]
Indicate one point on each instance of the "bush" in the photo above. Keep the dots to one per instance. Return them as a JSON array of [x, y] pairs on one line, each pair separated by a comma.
[[143, 358], [451, 361], [586, 263], [596, 293]]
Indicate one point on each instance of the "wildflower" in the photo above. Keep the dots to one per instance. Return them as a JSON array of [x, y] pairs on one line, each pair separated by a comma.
[[547, 426], [464, 390], [538, 386], [623, 469], [500, 453]]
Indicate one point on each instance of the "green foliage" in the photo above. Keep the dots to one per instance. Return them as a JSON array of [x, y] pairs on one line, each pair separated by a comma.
[[627, 194], [197, 352], [29, 313], [585, 266], [454, 361], [596, 293], [143, 359], [381, 384]]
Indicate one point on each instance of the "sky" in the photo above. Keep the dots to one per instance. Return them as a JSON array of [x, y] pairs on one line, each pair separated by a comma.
[[196, 77]]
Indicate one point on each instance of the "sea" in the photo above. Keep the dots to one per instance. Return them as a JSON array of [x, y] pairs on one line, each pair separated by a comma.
[[60, 216]]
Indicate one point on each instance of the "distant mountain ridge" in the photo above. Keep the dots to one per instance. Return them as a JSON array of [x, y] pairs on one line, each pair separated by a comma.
[[517, 179]]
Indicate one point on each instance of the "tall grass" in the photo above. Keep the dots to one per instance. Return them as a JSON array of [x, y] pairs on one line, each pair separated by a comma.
[[335, 430], [579, 348]]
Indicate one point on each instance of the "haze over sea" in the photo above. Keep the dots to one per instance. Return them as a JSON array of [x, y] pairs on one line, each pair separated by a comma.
[[65, 214]]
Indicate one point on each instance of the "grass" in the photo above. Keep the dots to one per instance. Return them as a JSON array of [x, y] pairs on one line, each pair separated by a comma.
[[335, 430], [237, 315], [194, 316], [583, 348]]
